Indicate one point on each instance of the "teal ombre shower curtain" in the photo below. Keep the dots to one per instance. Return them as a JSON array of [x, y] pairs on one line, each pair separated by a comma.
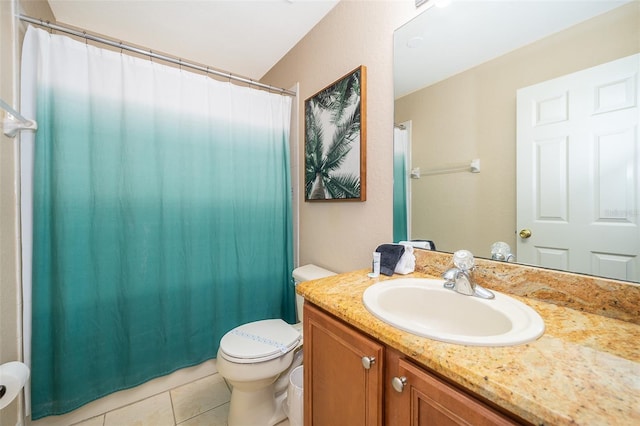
[[400, 186], [161, 217]]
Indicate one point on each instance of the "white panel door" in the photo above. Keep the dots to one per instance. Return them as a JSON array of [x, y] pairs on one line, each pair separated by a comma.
[[578, 180]]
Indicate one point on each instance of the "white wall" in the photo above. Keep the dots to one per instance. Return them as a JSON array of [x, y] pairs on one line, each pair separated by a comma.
[[9, 274], [10, 291], [340, 235]]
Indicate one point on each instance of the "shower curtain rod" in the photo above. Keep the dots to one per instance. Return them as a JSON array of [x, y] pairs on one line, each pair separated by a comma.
[[123, 46]]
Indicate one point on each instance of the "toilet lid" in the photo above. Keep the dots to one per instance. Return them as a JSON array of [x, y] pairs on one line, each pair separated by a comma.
[[259, 341]]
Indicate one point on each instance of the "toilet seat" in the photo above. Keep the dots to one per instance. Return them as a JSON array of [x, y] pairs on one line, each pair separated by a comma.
[[259, 341]]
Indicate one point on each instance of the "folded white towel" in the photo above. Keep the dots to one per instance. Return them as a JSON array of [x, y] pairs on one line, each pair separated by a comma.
[[423, 244], [407, 263]]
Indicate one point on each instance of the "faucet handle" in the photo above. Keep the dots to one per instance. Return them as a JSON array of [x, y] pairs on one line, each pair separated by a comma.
[[450, 276], [463, 259], [502, 252]]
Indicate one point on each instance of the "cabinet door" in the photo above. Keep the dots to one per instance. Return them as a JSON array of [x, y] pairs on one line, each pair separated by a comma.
[[423, 399], [340, 388]]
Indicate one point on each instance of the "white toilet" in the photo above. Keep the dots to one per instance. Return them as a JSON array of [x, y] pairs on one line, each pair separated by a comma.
[[256, 358]]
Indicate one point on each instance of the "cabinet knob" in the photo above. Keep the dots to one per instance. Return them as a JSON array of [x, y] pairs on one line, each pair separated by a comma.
[[399, 383], [368, 361]]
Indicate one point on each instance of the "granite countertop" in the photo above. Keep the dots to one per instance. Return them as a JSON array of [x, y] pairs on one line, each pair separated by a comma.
[[585, 369]]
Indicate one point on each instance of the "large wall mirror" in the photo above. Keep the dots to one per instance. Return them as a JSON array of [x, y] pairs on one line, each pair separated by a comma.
[[464, 76]]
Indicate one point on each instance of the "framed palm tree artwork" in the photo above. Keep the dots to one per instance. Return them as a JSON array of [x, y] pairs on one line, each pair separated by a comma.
[[335, 140]]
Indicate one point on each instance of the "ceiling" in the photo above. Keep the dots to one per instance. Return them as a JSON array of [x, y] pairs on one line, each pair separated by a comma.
[[441, 42], [242, 37]]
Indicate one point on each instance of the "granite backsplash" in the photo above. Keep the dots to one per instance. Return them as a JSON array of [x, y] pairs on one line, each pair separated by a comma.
[[611, 298]]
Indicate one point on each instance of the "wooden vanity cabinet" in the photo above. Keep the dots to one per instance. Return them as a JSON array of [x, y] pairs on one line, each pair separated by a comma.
[[339, 389], [343, 373], [416, 397]]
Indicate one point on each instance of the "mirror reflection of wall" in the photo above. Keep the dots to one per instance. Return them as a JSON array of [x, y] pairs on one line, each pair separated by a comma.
[[473, 115]]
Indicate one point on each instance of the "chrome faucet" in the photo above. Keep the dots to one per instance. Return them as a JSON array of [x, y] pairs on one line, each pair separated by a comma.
[[459, 279]]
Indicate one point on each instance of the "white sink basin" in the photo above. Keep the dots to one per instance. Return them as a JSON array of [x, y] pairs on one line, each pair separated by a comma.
[[424, 307]]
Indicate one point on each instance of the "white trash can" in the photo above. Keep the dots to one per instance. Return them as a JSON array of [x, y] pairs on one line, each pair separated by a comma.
[[295, 399]]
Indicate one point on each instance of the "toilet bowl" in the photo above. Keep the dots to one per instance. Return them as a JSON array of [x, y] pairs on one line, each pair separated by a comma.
[[255, 359]]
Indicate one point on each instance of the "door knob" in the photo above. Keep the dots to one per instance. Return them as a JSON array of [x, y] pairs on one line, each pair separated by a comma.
[[368, 361], [399, 383], [525, 233]]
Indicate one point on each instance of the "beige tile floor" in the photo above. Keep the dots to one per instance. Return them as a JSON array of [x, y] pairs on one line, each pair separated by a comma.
[[203, 402]]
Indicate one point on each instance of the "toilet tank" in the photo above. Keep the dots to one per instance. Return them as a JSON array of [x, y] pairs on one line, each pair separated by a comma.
[[307, 273]]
